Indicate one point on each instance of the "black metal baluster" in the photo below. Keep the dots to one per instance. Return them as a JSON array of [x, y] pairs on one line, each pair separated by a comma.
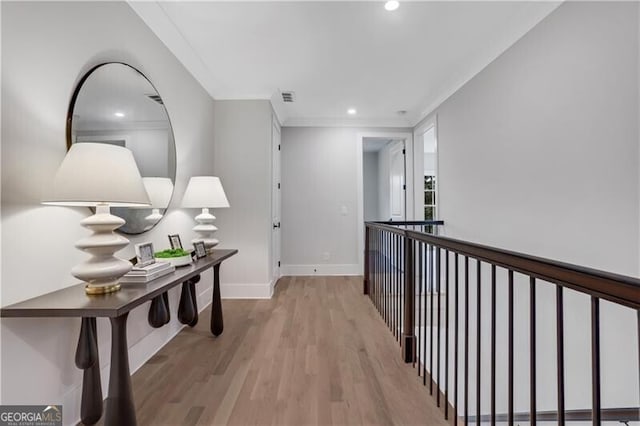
[[378, 268], [478, 342], [438, 325], [446, 337], [416, 314], [595, 360], [532, 347], [385, 247], [431, 292], [389, 279], [510, 397], [493, 345], [387, 276], [399, 285], [466, 340], [376, 271], [394, 284], [419, 263], [424, 314], [455, 345], [560, 353], [366, 260]]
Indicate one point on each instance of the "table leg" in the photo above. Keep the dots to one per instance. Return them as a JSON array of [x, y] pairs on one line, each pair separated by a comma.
[[186, 309], [120, 407], [165, 297], [216, 304], [194, 298], [158, 312], [87, 360]]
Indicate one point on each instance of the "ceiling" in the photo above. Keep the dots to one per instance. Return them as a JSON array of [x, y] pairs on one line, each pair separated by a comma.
[[340, 55], [374, 144]]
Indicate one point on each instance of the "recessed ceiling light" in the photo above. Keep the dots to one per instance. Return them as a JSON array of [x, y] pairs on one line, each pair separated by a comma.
[[119, 114], [392, 5], [351, 111]]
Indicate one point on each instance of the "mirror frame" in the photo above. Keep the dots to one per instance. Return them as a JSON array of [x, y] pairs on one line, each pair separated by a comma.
[[69, 125]]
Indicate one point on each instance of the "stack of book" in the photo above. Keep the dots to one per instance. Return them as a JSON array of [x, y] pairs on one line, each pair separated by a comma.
[[144, 274]]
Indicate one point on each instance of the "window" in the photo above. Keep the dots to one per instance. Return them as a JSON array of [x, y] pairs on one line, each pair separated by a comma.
[[429, 197], [429, 142]]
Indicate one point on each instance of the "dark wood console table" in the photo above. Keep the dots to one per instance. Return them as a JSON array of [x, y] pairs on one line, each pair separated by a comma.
[[73, 302]]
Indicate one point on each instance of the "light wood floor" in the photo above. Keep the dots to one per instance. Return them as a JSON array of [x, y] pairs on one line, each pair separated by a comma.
[[316, 354]]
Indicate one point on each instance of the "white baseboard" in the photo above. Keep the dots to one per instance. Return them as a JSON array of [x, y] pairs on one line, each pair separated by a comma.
[[322, 269], [247, 291]]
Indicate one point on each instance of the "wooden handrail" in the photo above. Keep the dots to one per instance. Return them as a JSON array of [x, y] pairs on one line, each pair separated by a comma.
[[609, 286]]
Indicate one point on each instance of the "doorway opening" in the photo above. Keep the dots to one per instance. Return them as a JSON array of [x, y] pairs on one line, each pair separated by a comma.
[[387, 186], [383, 179]]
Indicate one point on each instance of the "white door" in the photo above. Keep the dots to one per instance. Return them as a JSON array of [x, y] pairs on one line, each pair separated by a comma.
[[397, 181], [275, 203]]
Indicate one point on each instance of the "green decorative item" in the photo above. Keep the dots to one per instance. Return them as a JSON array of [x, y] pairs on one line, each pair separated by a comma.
[[176, 256], [171, 253]]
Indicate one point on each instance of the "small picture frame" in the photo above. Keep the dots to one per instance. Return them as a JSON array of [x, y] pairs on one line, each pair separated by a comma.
[[144, 254], [174, 241], [200, 249]]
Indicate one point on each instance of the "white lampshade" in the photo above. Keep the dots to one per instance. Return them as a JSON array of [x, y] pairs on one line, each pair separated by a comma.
[[159, 190], [204, 191], [98, 173]]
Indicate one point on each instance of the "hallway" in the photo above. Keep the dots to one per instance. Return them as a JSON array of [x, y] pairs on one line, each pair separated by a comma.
[[316, 353]]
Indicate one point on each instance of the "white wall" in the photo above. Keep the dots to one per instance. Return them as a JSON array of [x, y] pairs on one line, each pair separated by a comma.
[[46, 48], [370, 185], [243, 162], [319, 199], [539, 153]]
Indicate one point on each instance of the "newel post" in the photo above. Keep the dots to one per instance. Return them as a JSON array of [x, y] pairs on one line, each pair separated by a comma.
[[408, 332], [365, 282]]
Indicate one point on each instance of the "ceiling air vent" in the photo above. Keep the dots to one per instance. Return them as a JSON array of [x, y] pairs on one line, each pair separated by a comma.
[[288, 96], [156, 98]]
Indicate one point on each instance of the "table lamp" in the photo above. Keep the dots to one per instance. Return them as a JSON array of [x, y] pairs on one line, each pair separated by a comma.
[[160, 190], [99, 175], [205, 192]]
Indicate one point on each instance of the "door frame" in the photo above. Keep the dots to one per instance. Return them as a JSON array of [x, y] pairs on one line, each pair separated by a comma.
[[418, 165], [276, 202], [409, 202]]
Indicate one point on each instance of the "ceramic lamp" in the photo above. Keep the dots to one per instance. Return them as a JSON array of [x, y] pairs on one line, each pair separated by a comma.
[[159, 190], [205, 192], [99, 175]]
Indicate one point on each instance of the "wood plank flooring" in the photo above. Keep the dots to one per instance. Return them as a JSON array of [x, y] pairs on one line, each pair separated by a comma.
[[317, 353]]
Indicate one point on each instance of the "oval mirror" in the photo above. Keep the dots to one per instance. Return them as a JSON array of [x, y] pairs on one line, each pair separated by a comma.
[[115, 103]]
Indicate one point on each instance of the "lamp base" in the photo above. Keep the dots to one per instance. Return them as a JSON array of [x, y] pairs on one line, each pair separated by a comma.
[[154, 217], [101, 289], [206, 228], [102, 270]]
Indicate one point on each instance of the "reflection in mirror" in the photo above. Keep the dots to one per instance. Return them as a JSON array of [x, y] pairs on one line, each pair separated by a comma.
[[115, 104]]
